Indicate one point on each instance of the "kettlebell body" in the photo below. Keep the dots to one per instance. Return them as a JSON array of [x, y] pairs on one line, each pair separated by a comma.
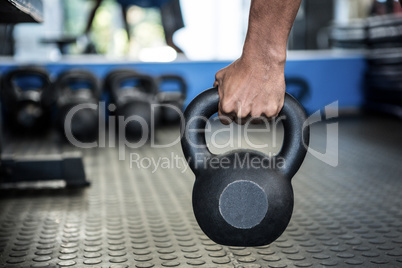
[[140, 110], [134, 95], [78, 88], [243, 197], [240, 204]]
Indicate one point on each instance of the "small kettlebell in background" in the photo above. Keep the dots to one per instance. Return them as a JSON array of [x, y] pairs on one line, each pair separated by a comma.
[[111, 76], [75, 89], [172, 94], [249, 205], [27, 98], [134, 94]]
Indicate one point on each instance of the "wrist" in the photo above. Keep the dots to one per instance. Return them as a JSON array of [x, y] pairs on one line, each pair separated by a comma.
[[269, 59], [270, 55]]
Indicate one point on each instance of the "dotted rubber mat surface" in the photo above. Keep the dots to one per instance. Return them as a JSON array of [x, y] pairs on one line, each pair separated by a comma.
[[344, 216]]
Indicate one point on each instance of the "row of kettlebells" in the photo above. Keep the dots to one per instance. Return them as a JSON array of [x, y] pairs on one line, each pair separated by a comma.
[[31, 100]]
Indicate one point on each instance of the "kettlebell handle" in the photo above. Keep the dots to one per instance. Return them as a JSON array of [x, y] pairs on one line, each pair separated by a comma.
[[10, 88], [78, 75], [28, 71], [145, 80], [195, 149], [177, 78]]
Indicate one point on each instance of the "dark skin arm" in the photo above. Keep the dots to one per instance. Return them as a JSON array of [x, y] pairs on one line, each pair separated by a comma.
[[254, 85]]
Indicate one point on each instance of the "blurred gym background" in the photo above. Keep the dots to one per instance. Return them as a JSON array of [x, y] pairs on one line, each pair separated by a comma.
[[73, 198], [214, 30]]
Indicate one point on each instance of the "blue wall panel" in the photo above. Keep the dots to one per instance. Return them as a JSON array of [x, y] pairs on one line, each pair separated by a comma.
[[330, 79]]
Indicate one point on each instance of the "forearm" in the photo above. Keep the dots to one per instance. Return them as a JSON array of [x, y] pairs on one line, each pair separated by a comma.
[[254, 85], [270, 22]]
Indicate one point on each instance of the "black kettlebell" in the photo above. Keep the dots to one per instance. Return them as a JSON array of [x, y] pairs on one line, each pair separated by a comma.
[[243, 203], [134, 95], [79, 90], [27, 98], [111, 76], [172, 101]]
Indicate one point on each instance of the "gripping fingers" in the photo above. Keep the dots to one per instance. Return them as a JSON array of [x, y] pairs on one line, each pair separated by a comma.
[[225, 112], [225, 119]]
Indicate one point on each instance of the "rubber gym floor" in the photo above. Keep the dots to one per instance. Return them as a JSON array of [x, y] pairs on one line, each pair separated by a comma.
[[133, 216]]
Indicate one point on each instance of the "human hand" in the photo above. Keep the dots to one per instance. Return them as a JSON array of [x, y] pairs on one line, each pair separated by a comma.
[[249, 90]]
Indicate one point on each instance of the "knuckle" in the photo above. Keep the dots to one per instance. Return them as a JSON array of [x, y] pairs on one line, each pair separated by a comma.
[[243, 112], [255, 113], [270, 111], [226, 107], [219, 75]]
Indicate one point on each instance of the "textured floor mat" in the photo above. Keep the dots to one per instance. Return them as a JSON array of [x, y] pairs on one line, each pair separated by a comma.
[[137, 215]]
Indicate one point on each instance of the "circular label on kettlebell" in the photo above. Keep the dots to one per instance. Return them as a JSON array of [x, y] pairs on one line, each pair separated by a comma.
[[243, 204]]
